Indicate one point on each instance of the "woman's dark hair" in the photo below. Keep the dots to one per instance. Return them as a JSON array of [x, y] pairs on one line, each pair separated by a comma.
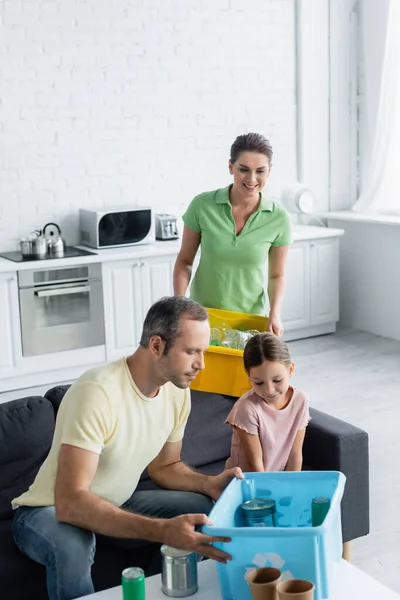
[[265, 346], [251, 142], [165, 317]]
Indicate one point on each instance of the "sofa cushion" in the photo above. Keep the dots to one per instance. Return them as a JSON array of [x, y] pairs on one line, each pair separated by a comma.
[[26, 433], [207, 439], [20, 577], [55, 395]]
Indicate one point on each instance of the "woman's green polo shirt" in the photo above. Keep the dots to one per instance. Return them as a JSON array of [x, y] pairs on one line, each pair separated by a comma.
[[231, 270]]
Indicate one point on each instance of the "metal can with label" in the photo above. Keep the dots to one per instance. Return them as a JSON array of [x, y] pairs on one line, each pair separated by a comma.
[[133, 586], [260, 512], [179, 572]]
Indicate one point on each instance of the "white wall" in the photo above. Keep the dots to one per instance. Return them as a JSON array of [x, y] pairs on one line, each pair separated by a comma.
[[369, 280], [136, 101]]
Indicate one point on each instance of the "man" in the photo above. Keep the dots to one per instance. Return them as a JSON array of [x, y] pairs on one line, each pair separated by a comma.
[[115, 421]]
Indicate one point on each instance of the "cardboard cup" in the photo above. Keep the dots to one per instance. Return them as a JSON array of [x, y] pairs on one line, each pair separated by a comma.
[[263, 582], [295, 589]]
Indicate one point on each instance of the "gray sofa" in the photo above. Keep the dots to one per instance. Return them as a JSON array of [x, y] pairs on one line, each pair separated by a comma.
[[26, 431]]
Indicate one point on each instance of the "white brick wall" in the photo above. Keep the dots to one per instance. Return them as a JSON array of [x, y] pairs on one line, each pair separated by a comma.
[[105, 102]]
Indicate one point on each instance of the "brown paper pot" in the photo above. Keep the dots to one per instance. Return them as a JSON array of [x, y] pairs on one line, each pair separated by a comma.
[[296, 589], [263, 582]]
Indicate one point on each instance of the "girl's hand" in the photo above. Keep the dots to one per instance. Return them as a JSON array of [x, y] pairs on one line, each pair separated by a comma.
[[275, 324]]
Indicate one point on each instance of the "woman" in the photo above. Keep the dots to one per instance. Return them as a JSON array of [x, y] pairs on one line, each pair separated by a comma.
[[239, 229]]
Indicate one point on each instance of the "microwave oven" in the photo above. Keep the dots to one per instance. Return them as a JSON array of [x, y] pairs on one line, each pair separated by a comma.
[[116, 226]]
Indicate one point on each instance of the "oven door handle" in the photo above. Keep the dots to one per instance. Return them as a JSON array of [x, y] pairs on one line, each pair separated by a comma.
[[78, 289]]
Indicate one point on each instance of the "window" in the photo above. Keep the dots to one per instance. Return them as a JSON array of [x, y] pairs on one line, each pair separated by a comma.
[[380, 158]]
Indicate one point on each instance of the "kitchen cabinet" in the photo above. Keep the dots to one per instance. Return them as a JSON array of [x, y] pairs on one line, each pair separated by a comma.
[[130, 287], [10, 338], [296, 309], [122, 307], [157, 279], [311, 303], [324, 262]]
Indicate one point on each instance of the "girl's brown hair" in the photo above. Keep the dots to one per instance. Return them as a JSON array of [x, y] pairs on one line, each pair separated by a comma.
[[265, 346], [251, 142]]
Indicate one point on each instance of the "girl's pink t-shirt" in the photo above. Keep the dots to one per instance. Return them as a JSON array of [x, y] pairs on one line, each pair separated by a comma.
[[277, 429]]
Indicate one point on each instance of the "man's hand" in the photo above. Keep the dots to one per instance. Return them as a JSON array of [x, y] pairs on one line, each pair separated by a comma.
[[217, 483], [179, 532]]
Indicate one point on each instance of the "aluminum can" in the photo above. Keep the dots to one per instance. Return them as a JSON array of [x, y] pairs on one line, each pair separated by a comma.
[[133, 586], [179, 572]]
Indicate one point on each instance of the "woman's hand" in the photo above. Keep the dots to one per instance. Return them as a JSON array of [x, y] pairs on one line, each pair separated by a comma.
[[275, 324]]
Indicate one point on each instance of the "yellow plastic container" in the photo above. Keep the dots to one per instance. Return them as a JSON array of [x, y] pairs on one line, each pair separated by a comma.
[[224, 371]]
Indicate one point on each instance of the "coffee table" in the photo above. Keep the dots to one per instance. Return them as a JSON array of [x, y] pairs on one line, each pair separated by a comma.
[[351, 583]]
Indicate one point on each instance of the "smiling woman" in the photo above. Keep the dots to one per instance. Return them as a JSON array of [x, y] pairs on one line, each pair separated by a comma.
[[239, 229]]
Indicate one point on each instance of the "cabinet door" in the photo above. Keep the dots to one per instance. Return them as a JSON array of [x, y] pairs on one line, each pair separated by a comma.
[[123, 309], [10, 337], [157, 279], [296, 304], [324, 259]]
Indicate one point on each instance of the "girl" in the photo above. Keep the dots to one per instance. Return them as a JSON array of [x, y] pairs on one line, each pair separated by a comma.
[[269, 422]]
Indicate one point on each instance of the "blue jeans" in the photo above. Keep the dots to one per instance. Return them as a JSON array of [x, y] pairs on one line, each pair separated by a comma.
[[68, 552]]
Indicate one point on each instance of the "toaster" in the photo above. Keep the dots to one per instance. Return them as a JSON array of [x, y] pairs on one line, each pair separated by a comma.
[[166, 227]]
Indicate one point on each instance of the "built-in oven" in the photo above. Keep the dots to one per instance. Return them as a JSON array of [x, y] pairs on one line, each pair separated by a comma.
[[61, 309]]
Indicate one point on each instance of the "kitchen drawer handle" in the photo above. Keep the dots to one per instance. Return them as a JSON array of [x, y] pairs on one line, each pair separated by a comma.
[[79, 289]]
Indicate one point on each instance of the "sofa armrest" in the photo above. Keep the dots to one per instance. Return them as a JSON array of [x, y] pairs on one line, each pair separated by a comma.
[[334, 445]]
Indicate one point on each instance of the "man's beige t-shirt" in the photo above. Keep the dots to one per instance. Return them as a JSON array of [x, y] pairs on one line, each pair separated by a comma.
[[105, 412]]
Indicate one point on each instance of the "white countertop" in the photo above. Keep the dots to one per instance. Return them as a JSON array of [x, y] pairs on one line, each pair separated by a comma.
[[311, 232], [300, 233], [100, 256], [360, 217]]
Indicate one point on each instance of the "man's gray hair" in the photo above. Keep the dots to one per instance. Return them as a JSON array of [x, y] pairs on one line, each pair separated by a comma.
[[165, 316]]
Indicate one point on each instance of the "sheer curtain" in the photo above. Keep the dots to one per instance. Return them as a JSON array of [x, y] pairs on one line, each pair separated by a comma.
[[381, 193]]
